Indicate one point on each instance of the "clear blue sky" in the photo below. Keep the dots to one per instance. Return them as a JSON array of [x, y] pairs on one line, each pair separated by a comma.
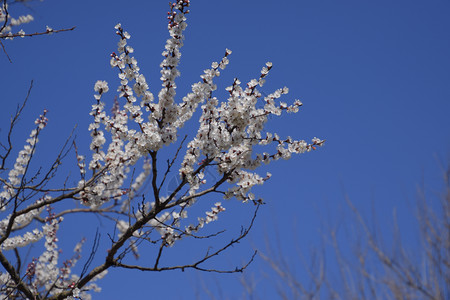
[[374, 77]]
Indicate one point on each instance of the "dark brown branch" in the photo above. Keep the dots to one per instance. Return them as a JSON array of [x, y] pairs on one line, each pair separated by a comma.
[[4, 51], [14, 120], [170, 164], [13, 35], [6, 16], [199, 194], [21, 286], [207, 256], [38, 205], [191, 266], [155, 188], [158, 257]]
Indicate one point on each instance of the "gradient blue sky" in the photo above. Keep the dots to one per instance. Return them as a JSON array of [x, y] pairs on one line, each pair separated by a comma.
[[374, 77]]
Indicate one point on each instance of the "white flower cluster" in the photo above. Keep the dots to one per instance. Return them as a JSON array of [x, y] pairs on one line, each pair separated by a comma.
[[11, 22], [128, 145], [229, 131], [22, 241], [44, 271], [7, 285], [20, 222], [8, 23], [227, 137], [21, 164], [23, 220]]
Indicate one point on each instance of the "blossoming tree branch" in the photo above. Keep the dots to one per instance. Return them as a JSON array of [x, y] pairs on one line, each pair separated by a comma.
[[125, 148], [8, 23]]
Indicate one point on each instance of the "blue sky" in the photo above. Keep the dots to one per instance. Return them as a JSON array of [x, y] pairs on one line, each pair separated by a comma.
[[374, 77]]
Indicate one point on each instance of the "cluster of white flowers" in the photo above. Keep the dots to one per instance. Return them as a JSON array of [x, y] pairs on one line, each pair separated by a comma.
[[46, 268], [10, 22], [44, 271], [128, 145], [7, 285], [229, 132], [20, 222], [21, 164], [215, 210], [227, 136], [23, 220], [22, 241]]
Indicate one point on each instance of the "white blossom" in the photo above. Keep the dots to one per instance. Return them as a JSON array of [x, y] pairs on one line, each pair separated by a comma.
[[101, 87]]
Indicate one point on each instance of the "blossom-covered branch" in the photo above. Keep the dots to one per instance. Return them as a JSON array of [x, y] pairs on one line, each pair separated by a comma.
[[122, 180], [8, 24]]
